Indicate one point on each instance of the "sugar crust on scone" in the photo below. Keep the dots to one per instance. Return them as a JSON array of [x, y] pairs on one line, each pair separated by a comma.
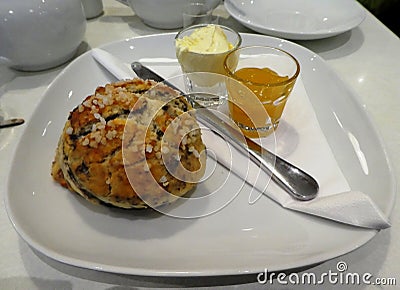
[[122, 146]]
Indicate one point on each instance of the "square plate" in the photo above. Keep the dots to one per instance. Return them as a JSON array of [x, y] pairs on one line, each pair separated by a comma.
[[241, 238]]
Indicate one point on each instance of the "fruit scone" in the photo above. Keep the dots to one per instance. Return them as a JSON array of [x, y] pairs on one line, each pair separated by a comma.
[[132, 144]]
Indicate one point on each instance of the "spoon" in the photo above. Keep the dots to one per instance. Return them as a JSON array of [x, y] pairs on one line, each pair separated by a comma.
[[299, 184]]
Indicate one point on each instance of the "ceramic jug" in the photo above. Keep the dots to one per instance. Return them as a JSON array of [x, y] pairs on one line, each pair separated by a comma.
[[40, 34]]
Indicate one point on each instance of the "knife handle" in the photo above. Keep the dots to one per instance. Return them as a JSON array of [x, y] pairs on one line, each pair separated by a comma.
[[11, 122]]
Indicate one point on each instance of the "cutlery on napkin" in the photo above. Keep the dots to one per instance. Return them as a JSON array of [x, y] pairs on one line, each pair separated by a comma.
[[335, 200]]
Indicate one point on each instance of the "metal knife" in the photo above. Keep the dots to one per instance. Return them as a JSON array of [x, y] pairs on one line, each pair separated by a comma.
[[299, 184]]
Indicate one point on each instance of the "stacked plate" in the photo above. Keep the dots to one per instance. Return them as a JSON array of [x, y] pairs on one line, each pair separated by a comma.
[[298, 20]]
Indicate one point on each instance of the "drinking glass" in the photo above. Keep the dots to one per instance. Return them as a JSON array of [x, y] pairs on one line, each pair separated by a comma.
[[196, 13], [270, 73], [205, 70]]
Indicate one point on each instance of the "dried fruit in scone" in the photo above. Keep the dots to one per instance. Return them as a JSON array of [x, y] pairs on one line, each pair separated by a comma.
[[132, 144]]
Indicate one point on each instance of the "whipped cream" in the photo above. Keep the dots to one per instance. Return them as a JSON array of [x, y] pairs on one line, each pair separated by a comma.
[[208, 39]]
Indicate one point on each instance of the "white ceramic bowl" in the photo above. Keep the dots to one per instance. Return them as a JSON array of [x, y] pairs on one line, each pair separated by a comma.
[[164, 14]]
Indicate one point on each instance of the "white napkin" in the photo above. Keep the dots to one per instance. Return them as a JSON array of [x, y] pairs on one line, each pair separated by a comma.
[[299, 139]]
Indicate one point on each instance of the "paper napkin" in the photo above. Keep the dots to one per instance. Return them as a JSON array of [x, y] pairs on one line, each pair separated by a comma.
[[300, 140]]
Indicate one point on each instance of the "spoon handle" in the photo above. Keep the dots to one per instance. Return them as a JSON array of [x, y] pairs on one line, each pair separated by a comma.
[[292, 179]]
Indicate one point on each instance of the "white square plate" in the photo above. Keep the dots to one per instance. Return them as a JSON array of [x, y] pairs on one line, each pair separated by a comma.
[[241, 238]]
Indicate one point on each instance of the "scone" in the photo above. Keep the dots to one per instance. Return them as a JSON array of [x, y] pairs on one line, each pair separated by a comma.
[[132, 144]]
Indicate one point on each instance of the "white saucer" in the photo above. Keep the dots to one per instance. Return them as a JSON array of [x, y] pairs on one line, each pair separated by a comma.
[[299, 20]]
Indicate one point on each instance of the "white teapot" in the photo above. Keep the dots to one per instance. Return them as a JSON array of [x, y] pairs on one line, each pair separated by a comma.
[[40, 34]]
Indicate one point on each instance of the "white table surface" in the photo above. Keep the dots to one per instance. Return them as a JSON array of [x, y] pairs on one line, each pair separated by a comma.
[[367, 58]]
